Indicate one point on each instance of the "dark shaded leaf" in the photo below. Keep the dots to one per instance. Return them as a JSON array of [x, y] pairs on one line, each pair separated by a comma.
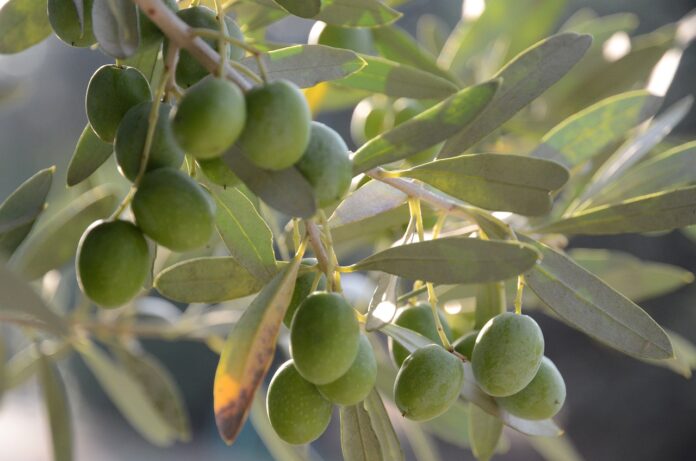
[[90, 153], [357, 13], [490, 301], [23, 23], [115, 24], [484, 433], [56, 400], [301, 8]]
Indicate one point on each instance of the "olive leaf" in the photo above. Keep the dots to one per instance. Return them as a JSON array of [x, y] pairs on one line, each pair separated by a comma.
[[584, 301], [490, 301], [115, 25], [301, 8], [56, 400], [357, 13], [23, 24], [307, 65], [372, 199], [684, 360], [19, 211], [358, 439], [248, 353], [484, 433], [207, 280], [555, 448], [383, 428], [426, 129], [90, 153], [523, 79], [454, 260], [501, 182]]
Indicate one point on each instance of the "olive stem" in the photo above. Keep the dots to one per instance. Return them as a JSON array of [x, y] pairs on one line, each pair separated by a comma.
[[318, 248], [222, 44], [520, 293], [332, 253]]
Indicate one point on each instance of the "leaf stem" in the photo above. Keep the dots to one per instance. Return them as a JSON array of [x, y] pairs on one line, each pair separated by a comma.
[[520, 293]]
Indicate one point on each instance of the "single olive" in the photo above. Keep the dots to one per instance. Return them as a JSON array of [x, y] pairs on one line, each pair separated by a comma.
[[172, 209], [130, 141], [465, 344], [278, 123], [358, 40], [303, 287], [507, 354], [324, 337], [418, 318], [371, 117], [297, 411], [65, 22], [218, 172], [428, 383], [188, 69], [326, 165], [111, 92], [209, 118], [404, 110], [150, 34], [112, 262], [358, 381], [542, 398]]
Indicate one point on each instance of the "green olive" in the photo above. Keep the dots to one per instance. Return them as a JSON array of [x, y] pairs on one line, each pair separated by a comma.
[[358, 40], [542, 398], [150, 34], [131, 136], [278, 123], [209, 118], [507, 354], [428, 383], [326, 165], [189, 70], [65, 22], [218, 172], [112, 262], [297, 411], [173, 210], [324, 337], [371, 117], [420, 319], [358, 381], [465, 344], [303, 287], [111, 92]]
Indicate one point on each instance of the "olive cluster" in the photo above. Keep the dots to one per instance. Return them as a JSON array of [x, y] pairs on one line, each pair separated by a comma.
[[332, 363], [271, 125]]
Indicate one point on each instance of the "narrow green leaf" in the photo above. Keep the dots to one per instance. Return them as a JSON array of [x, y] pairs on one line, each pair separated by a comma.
[[23, 23], [684, 360], [454, 260], [590, 305], [426, 129], [500, 182], [356, 13], [585, 134], [398, 80], [159, 386], [523, 79], [452, 426], [245, 233], [129, 396], [249, 351], [56, 400], [634, 278], [654, 212], [555, 448], [207, 280], [55, 242], [90, 153], [358, 439], [19, 299], [19, 211], [21, 366], [372, 199], [115, 24], [252, 16], [307, 65], [3, 363], [383, 428], [484, 433], [490, 301], [301, 8], [285, 190]]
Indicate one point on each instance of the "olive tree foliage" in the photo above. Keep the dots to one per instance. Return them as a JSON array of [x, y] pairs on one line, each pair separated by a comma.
[[480, 151]]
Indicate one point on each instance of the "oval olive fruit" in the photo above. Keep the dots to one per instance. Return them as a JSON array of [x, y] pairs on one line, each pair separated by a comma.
[[130, 141], [418, 318], [303, 287], [404, 110], [172, 209], [188, 69], [218, 172], [65, 22], [326, 165], [359, 40], [371, 117], [112, 262], [297, 411], [428, 383], [150, 34], [465, 344], [358, 381], [324, 337], [111, 92], [507, 354], [209, 118], [542, 398], [277, 130]]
